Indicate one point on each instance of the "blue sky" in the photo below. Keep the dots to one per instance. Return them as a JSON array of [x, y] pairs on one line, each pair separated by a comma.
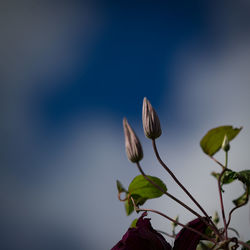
[[72, 71], [128, 60]]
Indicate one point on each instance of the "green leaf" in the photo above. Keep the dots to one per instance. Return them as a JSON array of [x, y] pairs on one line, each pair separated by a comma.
[[215, 218], [140, 186], [209, 232], [215, 174], [244, 176], [141, 190], [139, 200], [133, 224], [120, 187], [204, 245], [228, 177], [129, 206], [174, 224], [242, 199], [211, 142]]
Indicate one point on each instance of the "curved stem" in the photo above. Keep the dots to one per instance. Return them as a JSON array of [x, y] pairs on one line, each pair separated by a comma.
[[221, 199], [219, 163], [183, 188], [167, 217], [232, 229], [167, 234], [119, 197], [165, 192], [175, 199], [244, 244], [243, 204]]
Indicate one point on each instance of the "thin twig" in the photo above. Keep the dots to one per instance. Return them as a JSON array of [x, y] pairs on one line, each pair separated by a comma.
[[167, 234], [217, 161], [183, 188], [174, 198], [205, 247], [244, 244], [232, 229], [119, 197], [167, 217], [221, 202], [243, 204]]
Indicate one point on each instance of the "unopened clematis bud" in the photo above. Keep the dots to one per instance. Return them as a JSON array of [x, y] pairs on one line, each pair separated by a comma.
[[150, 120], [132, 143], [174, 224], [216, 218], [225, 144]]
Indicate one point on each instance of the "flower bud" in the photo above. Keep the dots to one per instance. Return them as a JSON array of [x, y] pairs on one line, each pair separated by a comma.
[[132, 143], [225, 144], [174, 224], [216, 218], [150, 120]]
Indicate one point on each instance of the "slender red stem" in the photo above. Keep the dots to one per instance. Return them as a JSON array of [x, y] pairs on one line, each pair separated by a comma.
[[244, 244], [174, 198], [169, 218], [120, 199], [169, 235], [183, 188], [219, 163], [221, 201], [243, 204]]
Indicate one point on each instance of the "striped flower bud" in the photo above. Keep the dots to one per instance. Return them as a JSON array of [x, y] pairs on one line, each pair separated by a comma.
[[150, 120], [225, 144], [132, 143]]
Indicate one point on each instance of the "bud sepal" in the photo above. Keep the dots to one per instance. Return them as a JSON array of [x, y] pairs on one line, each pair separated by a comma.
[[132, 144], [150, 120]]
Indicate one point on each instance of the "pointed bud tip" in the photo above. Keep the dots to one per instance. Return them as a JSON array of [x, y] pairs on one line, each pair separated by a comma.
[[132, 144], [216, 218], [150, 120], [225, 144], [124, 121], [174, 224]]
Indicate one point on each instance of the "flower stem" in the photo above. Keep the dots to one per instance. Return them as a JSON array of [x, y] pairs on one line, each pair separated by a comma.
[[244, 244], [221, 199], [241, 205], [167, 234], [177, 200], [175, 221], [219, 163], [119, 197], [183, 188]]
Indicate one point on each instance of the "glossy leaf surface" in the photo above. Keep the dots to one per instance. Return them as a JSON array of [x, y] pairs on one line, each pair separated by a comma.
[[212, 141], [140, 186], [120, 187]]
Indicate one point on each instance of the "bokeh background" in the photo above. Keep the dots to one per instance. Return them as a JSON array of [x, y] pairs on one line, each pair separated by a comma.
[[71, 70]]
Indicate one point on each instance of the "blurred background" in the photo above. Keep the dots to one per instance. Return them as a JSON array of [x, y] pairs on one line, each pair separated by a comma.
[[71, 70]]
